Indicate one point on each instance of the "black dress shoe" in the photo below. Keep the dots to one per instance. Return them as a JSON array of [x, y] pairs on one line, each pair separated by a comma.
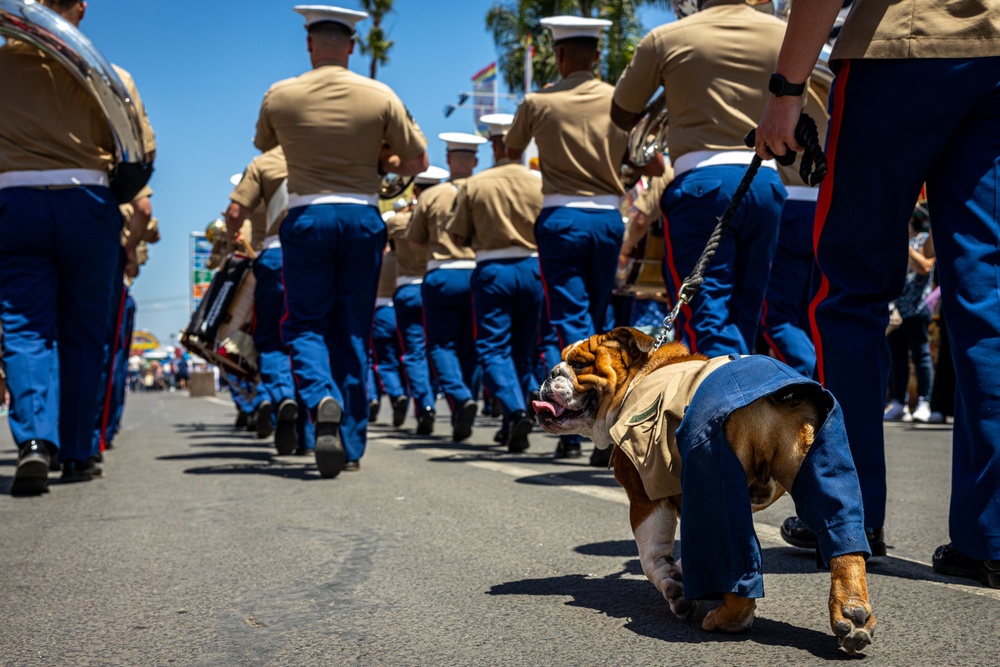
[[77, 471], [352, 466], [97, 461], [500, 437], [241, 420], [263, 421], [795, 532], [399, 405], [949, 560], [520, 427], [252, 421], [463, 421], [568, 450], [425, 422], [330, 455], [33, 464], [286, 437], [600, 458], [373, 406]]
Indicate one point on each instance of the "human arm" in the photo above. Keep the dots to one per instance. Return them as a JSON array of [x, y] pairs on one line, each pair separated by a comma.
[[922, 260], [142, 212], [519, 135]]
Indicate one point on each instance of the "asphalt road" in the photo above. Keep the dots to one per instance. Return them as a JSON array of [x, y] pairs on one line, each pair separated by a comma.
[[201, 547]]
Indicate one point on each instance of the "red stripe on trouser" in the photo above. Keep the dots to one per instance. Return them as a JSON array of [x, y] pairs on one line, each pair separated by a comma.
[[767, 337], [823, 210], [668, 258], [106, 410]]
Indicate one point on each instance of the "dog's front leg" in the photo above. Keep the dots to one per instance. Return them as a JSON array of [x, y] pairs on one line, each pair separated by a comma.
[[654, 524], [850, 613]]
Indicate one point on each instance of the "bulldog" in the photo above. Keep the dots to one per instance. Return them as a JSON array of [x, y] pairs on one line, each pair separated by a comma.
[[734, 434]]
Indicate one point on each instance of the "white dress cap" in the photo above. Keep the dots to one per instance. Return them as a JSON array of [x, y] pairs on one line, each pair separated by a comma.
[[321, 13], [432, 176], [498, 123], [461, 141], [567, 27]]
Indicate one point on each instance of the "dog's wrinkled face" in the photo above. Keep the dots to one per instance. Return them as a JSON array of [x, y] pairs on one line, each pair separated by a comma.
[[590, 383]]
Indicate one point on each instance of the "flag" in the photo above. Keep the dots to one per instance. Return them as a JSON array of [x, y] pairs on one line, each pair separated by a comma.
[[484, 96]]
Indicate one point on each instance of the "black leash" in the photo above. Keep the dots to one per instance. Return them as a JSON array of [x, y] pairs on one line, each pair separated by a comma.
[[812, 170]]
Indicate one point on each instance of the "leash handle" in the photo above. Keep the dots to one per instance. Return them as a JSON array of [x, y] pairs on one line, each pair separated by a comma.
[[813, 167]]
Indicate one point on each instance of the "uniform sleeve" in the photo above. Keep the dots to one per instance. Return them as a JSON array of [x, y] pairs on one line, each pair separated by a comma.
[[459, 225], [641, 78], [266, 138], [249, 192], [520, 133], [148, 136], [417, 230], [402, 134]]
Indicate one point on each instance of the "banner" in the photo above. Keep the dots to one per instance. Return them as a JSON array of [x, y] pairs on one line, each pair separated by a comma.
[[143, 341], [484, 96], [201, 275]]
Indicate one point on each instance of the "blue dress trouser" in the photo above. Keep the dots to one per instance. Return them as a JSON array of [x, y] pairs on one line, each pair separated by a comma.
[[386, 364], [120, 377], [105, 396], [450, 330], [409, 307], [723, 316], [332, 257], [507, 294], [951, 141], [578, 250], [720, 550], [785, 319], [58, 251]]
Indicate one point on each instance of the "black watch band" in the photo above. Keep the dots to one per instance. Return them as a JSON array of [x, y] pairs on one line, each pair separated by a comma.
[[780, 87]]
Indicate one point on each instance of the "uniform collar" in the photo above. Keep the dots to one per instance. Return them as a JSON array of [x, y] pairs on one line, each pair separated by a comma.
[[329, 63]]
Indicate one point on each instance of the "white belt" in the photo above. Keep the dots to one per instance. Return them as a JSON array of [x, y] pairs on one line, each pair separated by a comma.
[[451, 264], [295, 200], [50, 177], [513, 252], [273, 241], [383, 301], [403, 281], [581, 201], [802, 193], [698, 159]]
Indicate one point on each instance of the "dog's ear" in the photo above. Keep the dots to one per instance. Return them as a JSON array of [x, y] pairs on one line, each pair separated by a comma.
[[632, 341]]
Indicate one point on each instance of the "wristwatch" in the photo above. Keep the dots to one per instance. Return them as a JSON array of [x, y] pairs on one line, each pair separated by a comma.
[[780, 86]]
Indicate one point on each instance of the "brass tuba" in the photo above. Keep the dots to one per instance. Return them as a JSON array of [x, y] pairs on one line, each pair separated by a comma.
[[31, 22]]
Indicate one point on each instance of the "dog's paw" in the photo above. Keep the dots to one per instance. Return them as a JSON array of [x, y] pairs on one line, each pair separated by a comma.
[[735, 614], [683, 609], [854, 626]]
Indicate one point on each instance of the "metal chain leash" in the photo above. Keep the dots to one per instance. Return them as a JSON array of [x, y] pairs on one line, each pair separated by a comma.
[[812, 169]]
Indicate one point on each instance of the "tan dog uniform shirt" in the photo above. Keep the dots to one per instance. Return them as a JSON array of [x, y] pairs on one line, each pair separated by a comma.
[[496, 210], [580, 150], [411, 263], [49, 121], [261, 179], [645, 429], [920, 29], [714, 67], [432, 212], [332, 124]]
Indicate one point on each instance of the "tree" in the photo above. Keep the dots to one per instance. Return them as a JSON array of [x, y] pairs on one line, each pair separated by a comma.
[[375, 43], [515, 21]]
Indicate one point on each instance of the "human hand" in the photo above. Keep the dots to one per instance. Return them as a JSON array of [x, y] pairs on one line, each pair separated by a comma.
[[776, 131]]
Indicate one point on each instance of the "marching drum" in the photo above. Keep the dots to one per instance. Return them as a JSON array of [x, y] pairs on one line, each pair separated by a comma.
[[220, 329], [642, 276]]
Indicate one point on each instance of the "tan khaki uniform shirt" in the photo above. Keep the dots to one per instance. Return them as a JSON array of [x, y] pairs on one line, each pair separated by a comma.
[[410, 262], [332, 124], [261, 179], [648, 203], [497, 208], [432, 212], [920, 29], [387, 277], [714, 67], [646, 427], [47, 119], [148, 136], [580, 150]]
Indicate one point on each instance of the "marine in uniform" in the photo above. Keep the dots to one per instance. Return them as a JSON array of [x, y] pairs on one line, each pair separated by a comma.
[[60, 236], [579, 230], [495, 215], [448, 318], [339, 131], [411, 265], [263, 190], [949, 139], [711, 65]]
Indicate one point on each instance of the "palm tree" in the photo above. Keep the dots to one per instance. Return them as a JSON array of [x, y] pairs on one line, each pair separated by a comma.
[[516, 22], [375, 43]]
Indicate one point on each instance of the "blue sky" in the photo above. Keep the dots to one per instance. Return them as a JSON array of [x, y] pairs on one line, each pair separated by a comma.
[[202, 67]]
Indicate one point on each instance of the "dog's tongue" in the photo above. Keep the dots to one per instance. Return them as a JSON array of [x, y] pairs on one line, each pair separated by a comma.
[[554, 408]]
